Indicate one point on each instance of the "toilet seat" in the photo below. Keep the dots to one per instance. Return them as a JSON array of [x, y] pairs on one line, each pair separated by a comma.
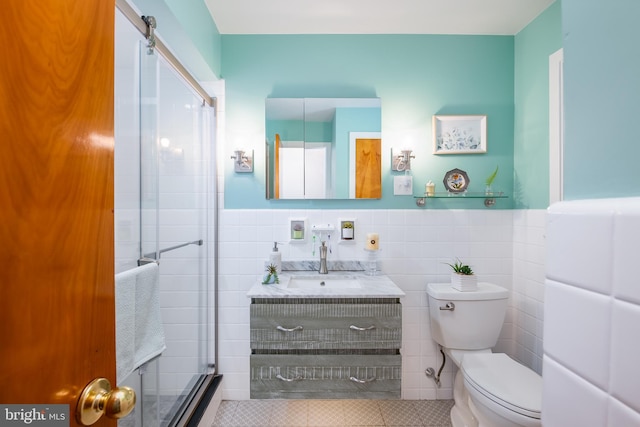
[[457, 355], [504, 382]]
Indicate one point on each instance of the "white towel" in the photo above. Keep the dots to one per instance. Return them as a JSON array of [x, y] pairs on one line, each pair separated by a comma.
[[139, 331], [125, 323]]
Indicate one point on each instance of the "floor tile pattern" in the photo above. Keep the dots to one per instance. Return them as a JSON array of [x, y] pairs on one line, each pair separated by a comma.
[[325, 413]]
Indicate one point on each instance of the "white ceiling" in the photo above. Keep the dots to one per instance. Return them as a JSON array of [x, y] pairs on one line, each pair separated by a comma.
[[499, 17]]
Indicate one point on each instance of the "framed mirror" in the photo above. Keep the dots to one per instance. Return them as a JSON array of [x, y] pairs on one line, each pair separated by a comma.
[[323, 148]]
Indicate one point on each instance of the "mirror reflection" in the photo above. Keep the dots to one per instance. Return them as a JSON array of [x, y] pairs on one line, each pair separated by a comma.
[[323, 148]]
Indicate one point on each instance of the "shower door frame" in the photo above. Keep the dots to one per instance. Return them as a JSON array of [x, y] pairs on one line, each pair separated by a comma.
[[208, 115]]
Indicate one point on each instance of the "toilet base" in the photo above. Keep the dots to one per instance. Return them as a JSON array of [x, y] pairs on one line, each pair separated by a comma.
[[461, 415], [459, 419]]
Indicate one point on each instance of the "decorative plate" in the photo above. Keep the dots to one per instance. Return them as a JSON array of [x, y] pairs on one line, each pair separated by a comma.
[[456, 181]]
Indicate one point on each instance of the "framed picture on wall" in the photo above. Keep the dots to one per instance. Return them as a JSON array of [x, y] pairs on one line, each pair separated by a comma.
[[460, 134]]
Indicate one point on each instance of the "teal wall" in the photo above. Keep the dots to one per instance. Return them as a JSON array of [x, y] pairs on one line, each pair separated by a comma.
[[421, 75], [187, 28], [416, 76], [601, 98], [533, 45]]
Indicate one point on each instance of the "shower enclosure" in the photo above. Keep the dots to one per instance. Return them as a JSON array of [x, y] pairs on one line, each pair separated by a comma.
[[165, 213]]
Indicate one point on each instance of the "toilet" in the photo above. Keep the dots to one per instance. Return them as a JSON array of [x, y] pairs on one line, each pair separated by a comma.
[[490, 389]]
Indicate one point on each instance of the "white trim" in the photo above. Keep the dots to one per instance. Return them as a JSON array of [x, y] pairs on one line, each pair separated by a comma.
[[556, 127]]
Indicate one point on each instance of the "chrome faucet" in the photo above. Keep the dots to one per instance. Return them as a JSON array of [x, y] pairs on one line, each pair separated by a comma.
[[323, 259]]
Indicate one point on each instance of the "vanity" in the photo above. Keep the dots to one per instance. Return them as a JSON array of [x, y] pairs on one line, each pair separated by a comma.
[[321, 336]]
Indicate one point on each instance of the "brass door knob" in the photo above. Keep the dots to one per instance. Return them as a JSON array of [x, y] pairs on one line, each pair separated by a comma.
[[98, 398]]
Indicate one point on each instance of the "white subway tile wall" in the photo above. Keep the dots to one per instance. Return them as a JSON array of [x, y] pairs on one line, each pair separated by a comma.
[[503, 246], [529, 252], [592, 313]]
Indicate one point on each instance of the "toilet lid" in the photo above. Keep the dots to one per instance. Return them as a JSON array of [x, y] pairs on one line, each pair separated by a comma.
[[504, 381]]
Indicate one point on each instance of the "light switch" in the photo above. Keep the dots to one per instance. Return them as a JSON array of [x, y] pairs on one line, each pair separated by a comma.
[[403, 185]]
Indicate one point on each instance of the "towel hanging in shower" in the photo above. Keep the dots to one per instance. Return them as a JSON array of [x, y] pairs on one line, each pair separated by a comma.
[[139, 330]]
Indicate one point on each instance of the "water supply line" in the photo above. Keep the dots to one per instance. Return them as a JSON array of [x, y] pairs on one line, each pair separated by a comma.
[[431, 373]]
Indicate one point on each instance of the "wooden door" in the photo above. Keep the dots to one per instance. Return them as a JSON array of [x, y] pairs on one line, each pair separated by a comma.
[[57, 330], [368, 168]]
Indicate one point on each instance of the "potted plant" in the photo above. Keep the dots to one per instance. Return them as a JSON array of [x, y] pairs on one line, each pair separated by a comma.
[[271, 276], [488, 191], [462, 277]]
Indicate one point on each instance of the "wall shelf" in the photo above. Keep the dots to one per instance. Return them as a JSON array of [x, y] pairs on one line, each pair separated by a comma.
[[489, 199]]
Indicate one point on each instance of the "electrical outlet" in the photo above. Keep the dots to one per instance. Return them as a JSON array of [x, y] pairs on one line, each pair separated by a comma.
[[402, 185]]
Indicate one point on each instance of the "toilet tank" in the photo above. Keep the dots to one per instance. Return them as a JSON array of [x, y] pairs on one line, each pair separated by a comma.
[[476, 320]]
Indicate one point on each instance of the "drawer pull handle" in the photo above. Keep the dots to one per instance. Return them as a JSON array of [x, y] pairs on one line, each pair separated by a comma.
[[359, 381], [283, 329], [357, 328], [281, 378]]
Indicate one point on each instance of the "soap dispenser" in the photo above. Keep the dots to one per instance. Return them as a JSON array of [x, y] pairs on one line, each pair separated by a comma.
[[275, 258]]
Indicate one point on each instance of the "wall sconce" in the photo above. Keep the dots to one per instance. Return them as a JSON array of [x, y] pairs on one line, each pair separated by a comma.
[[243, 162], [401, 162]]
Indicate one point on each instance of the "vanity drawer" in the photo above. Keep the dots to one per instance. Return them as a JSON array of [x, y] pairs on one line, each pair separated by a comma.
[[326, 326], [353, 376]]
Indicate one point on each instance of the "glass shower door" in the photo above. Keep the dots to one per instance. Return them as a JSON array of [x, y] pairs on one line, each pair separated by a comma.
[[174, 172], [163, 193]]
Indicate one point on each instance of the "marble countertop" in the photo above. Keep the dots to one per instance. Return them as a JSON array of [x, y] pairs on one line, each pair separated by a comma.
[[346, 284]]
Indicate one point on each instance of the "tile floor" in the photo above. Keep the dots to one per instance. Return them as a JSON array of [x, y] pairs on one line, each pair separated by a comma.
[[324, 413]]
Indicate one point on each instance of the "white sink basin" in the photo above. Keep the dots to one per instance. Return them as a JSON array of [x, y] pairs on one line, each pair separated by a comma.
[[323, 283], [308, 284]]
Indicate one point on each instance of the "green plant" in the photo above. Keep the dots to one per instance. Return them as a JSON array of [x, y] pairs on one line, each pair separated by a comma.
[[271, 276], [491, 177], [460, 268]]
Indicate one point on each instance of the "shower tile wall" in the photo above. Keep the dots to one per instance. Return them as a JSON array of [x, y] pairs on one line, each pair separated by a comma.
[[415, 244]]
